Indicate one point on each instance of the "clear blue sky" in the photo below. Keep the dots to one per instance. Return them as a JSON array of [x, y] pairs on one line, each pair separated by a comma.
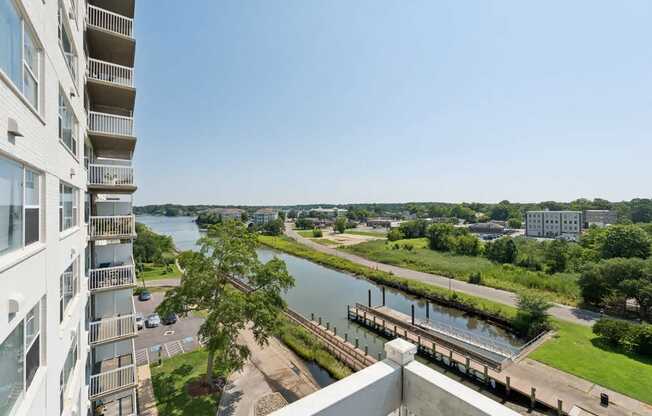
[[282, 102]]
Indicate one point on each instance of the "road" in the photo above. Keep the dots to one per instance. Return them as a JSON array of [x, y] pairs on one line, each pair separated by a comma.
[[562, 312]]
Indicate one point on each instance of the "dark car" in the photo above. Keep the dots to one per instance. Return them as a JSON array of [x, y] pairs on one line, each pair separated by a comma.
[[144, 295], [169, 319]]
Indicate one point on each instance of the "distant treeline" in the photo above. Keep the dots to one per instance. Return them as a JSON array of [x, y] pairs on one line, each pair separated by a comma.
[[637, 210]]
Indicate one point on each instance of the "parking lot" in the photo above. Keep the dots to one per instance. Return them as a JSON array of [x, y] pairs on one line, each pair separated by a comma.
[[172, 339]]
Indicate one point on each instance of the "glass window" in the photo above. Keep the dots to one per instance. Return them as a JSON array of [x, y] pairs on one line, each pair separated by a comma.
[[11, 368], [68, 287], [32, 207], [67, 124], [69, 53], [68, 202], [68, 367], [11, 206]]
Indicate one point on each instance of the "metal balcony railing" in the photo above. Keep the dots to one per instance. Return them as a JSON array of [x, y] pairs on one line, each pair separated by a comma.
[[110, 124], [111, 329], [113, 226], [113, 22], [112, 381], [110, 175], [109, 72], [115, 277]]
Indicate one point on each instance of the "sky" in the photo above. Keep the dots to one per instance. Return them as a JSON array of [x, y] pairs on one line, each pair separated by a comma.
[[305, 101]]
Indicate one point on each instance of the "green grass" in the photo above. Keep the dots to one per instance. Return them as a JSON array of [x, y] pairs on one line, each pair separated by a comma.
[[153, 271], [170, 380], [435, 293], [560, 287], [380, 234], [576, 350], [325, 242], [305, 233], [309, 348]]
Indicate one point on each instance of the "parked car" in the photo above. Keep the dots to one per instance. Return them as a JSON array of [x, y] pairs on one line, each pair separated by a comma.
[[153, 321], [170, 319], [140, 322], [144, 295]]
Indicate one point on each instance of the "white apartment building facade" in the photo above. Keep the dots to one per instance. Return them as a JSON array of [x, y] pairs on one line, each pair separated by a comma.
[[265, 215], [553, 224], [66, 270]]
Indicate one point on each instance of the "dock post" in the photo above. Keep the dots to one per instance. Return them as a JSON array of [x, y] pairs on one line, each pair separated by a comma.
[[507, 388], [346, 337], [418, 342], [486, 374], [369, 298], [335, 330], [412, 314], [427, 310], [312, 316], [405, 334], [395, 333], [328, 326], [374, 320], [468, 364], [450, 357], [356, 343], [366, 350], [380, 357], [560, 405], [383, 289], [320, 321], [533, 397]]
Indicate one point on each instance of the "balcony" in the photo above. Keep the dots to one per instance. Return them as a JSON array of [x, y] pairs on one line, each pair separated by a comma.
[[113, 227], [112, 381], [112, 277], [111, 178], [112, 329], [110, 85], [112, 135], [110, 36], [109, 21], [120, 404]]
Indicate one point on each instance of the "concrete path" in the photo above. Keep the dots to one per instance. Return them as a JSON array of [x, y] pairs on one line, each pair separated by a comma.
[[563, 312], [146, 398], [270, 369]]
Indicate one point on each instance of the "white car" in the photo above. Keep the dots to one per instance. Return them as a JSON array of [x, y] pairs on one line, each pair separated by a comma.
[[140, 322]]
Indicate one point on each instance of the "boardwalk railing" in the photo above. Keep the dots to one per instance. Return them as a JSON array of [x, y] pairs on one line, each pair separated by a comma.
[[112, 381], [111, 277], [114, 226], [110, 174], [110, 329], [110, 21], [110, 72], [110, 124]]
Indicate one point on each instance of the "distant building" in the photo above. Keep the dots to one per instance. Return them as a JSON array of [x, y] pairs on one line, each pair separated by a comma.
[[328, 212], [228, 213], [552, 224], [599, 217], [487, 228], [265, 215], [380, 222]]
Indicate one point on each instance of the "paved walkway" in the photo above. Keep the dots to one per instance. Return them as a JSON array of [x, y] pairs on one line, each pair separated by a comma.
[[563, 312], [146, 398]]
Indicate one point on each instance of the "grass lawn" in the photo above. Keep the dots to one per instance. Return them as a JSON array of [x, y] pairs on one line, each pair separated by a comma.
[[380, 234], [156, 272], [578, 351], [305, 233], [325, 242], [170, 380], [560, 287]]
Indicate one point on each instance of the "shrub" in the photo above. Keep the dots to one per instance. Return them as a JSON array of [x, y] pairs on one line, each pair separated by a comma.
[[613, 331], [532, 315], [408, 246], [625, 335], [642, 339], [316, 232], [475, 278], [438, 236], [466, 245], [394, 234], [502, 250]]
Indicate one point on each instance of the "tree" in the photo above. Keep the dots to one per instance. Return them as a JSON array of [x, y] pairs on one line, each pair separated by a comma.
[[466, 245], [502, 250], [439, 236], [281, 215], [640, 210], [625, 241], [463, 213], [317, 233], [228, 251], [340, 224], [555, 256], [532, 316], [501, 211], [394, 234], [292, 213], [304, 224], [275, 227], [149, 247], [514, 223], [604, 279], [244, 217], [413, 229]]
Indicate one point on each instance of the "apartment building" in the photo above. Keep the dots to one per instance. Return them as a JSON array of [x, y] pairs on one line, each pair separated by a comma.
[[599, 217], [553, 224], [265, 215], [66, 225]]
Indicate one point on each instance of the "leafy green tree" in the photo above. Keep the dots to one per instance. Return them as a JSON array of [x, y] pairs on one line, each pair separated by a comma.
[[281, 215], [149, 247], [413, 229], [292, 213], [394, 234], [555, 256], [275, 227], [502, 250], [514, 223], [501, 211], [340, 225], [439, 236], [463, 213], [304, 224], [466, 245], [244, 217], [640, 210], [532, 316], [229, 251], [625, 241], [317, 233], [600, 280]]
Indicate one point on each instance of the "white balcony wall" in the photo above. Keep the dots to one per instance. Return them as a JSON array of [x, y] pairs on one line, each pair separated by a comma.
[[113, 254], [112, 303], [113, 207], [112, 350]]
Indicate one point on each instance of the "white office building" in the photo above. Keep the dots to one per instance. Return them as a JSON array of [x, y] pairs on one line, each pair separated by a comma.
[[66, 225], [264, 215], [553, 224]]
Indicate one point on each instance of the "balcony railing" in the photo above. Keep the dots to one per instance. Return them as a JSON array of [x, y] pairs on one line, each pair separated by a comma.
[[110, 175], [114, 226], [115, 277], [109, 72], [111, 329], [110, 124], [110, 21], [112, 381]]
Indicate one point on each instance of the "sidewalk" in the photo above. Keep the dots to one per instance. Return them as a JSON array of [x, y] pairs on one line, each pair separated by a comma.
[[146, 398]]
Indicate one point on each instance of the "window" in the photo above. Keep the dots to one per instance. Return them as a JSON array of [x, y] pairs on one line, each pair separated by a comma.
[[68, 203], [32, 346], [68, 287], [20, 206], [65, 42], [68, 125], [19, 53], [68, 367]]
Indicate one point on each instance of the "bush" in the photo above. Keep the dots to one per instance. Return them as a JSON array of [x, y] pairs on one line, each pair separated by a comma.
[[625, 335], [466, 245], [502, 250], [438, 236], [532, 315], [316, 232], [613, 331], [475, 278], [394, 234], [408, 247]]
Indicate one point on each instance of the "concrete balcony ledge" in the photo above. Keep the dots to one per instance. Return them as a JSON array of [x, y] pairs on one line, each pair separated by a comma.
[[112, 227], [398, 385]]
